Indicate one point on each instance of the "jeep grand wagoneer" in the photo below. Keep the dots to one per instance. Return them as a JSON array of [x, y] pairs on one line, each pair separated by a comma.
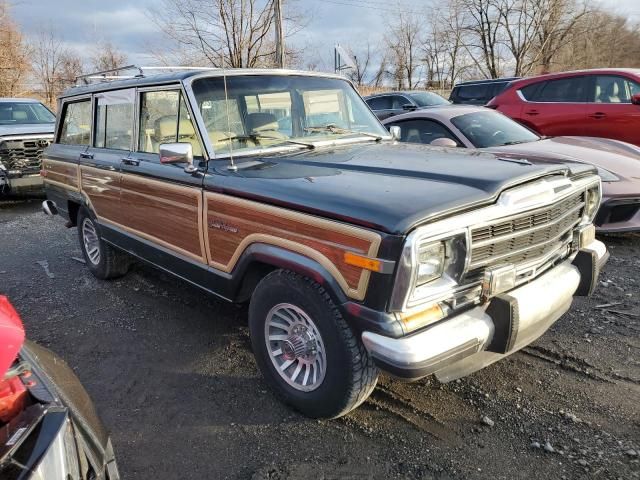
[[355, 252]]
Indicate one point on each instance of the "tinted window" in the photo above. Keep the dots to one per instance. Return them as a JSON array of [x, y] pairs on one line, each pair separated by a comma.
[[473, 92], [427, 99], [380, 103], [491, 129], [562, 90], [529, 92], [397, 101], [613, 89], [422, 131], [15, 113], [164, 118], [114, 119], [76, 124]]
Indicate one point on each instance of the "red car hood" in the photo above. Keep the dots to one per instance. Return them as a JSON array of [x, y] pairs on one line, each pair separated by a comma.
[[11, 335], [619, 158]]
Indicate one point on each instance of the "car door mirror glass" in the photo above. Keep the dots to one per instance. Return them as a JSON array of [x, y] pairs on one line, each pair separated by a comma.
[[176, 153], [635, 99], [444, 142]]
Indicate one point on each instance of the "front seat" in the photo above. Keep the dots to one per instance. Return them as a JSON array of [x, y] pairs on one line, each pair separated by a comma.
[[19, 116], [263, 123], [612, 93]]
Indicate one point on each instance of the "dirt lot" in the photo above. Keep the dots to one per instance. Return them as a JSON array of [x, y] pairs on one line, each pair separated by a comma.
[[171, 372]]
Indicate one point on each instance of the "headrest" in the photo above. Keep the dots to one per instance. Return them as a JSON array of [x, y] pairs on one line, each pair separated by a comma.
[[613, 89], [261, 122], [165, 127], [19, 115]]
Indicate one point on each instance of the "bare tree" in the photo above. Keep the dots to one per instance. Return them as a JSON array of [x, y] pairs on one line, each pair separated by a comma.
[[227, 33], [106, 56], [14, 55], [403, 45], [54, 66]]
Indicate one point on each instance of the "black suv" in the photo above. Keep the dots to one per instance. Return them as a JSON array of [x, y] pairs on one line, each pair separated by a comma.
[[479, 92], [388, 104], [355, 252]]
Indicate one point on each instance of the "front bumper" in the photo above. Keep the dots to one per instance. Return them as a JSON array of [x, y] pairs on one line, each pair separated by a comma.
[[26, 184], [465, 343], [618, 215]]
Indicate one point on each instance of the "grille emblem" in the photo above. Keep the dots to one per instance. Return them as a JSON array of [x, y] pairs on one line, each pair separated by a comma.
[[43, 143]]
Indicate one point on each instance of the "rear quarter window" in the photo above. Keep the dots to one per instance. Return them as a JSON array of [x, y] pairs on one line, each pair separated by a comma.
[[473, 92]]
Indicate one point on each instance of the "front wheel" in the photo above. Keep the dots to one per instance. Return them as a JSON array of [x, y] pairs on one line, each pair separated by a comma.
[[304, 348], [104, 261]]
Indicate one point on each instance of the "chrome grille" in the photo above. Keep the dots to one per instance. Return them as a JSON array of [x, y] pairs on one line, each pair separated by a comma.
[[528, 236], [24, 155]]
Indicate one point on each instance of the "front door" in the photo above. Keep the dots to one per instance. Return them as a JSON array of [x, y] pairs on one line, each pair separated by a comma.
[[610, 113], [162, 204]]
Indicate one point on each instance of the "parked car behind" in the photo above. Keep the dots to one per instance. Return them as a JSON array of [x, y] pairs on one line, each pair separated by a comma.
[[593, 103], [49, 429], [26, 129], [618, 163], [388, 104], [355, 253], [479, 92]]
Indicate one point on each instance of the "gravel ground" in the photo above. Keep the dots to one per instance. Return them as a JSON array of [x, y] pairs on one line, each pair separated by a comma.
[[171, 372]]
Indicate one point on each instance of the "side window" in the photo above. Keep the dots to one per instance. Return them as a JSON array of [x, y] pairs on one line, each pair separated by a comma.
[[164, 118], [398, 101], [380, 103], [563, 90], [473, 92], [529, 92], [76, 124], [613, 89], [423, 131], [114, 119]]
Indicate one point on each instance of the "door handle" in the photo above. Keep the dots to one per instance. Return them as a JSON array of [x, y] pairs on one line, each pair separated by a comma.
[[598, 115], [87, 156], [131, 161], [532, 112]]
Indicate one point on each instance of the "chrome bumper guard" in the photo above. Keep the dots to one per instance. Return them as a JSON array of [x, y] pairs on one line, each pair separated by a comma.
[[465, 343]]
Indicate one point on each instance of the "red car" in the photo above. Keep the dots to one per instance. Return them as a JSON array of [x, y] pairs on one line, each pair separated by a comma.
[[591, 103]]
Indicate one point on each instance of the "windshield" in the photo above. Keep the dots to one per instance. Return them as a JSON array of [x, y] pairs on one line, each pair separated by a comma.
[[262, 111], [428, 99], [17, 113], [492, 129]]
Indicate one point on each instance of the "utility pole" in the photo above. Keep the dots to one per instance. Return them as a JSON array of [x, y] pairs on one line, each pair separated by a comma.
[[279, 34]]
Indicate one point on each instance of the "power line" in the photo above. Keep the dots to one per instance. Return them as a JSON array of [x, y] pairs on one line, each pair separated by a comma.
[[365, 4]]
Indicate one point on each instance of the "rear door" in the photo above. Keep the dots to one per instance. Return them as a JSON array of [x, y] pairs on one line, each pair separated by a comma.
[[111, 142], [610, 113], [162, 204], [556, 107]]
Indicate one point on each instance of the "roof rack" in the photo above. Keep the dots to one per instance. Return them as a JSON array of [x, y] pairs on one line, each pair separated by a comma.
[[113, 74]]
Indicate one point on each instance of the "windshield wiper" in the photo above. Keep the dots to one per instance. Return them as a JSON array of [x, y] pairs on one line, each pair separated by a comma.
[[332, 128], [515, 142], [259, 136]]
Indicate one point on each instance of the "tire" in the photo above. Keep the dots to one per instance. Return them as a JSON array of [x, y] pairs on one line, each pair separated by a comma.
[[316, 336], [104, 261]]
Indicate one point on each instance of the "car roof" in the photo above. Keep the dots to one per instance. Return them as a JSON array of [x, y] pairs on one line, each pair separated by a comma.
[[22, 100], [570, 73], [444, 112], [486, 80], [180, 76], [400, 92]]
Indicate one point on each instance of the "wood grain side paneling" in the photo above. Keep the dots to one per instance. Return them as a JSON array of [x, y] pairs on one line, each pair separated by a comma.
[[233, 224], [165, 213], [102, 190], [62, 174]]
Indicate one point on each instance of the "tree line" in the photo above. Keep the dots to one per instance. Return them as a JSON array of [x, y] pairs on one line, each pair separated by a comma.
[[453, 40]]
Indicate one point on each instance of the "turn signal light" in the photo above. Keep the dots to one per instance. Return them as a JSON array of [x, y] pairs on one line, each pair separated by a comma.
[[361, 261], [414, 321]]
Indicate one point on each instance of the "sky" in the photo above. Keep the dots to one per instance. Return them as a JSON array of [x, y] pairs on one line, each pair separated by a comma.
[[127, 25]]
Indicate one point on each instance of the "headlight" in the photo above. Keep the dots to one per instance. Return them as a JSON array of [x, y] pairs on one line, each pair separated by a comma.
[[607, 176], [429, 268], [592, 199]]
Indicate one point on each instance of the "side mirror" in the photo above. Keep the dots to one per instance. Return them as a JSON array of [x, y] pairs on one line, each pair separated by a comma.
[[408, 107], [635, 99], [444, 142], [396, 132], [174, 153]]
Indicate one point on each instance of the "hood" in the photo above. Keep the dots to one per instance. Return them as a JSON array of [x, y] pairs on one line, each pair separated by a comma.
[[27, 129], [11, 335], [620, 158], [391, 187]]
